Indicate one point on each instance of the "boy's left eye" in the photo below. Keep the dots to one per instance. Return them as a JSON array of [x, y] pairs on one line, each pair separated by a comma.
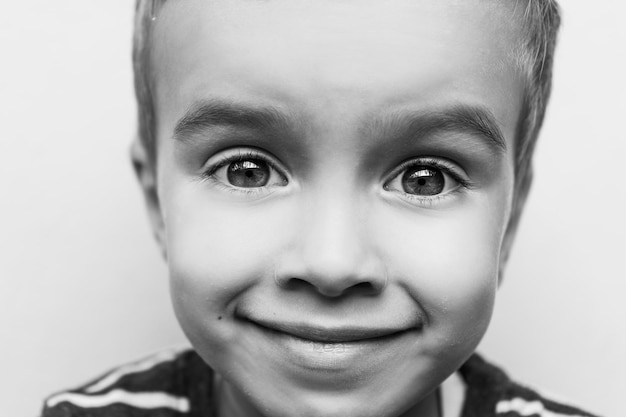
[[426, 179]]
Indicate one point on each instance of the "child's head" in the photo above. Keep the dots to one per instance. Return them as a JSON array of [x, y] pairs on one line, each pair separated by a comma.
[[335, 185]]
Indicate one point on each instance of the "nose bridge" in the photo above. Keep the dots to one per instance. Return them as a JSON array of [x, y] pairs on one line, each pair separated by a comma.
[[335, 226]]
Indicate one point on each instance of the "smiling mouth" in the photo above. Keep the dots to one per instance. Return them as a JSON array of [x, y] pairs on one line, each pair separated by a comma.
[[329, 335]]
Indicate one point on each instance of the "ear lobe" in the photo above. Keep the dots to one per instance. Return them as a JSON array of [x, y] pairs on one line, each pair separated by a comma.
[[519, 200], [145, 171]]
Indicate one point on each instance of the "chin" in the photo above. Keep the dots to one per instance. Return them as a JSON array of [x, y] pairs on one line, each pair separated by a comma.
[[359, 400]]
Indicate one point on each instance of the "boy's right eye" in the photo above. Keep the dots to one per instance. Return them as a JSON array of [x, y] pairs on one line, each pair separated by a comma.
[[245, 170]]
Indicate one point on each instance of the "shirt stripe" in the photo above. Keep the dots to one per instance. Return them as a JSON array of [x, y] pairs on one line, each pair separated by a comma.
[[145, 400], [527, 408], [135, 367]]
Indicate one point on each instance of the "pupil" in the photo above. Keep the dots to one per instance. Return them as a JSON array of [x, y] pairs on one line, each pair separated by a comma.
[[421, 180], [249, 173]]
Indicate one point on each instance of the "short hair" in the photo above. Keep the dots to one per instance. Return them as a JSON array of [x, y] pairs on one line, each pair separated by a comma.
[[534, 58]]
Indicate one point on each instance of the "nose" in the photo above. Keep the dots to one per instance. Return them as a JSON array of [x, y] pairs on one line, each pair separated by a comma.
[[333, 251]]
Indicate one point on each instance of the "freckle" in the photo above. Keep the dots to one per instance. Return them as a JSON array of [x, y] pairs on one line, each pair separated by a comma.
[[219, 317]]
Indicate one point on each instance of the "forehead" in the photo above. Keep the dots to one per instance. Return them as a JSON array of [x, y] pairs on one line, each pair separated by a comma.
[[332, 59]]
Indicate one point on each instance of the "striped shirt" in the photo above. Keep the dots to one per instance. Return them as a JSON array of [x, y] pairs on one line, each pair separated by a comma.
[[177, 382]]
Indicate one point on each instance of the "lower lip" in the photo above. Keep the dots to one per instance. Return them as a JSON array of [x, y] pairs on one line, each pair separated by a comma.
[[352, 356]]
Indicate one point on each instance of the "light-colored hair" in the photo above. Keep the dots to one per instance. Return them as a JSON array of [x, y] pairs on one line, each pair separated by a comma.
[[540, 21]]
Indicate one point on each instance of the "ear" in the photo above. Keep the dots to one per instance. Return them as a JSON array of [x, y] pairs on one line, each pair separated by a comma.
[[145, 170], [519, 201]]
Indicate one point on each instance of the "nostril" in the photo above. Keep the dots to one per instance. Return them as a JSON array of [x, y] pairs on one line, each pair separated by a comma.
[[364, 288], [330, 289], [294, 284]]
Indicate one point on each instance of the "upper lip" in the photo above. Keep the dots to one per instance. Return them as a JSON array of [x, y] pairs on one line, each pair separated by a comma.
[[325, 334]]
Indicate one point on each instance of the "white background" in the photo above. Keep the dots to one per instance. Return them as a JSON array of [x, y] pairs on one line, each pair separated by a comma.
[[82, 286]]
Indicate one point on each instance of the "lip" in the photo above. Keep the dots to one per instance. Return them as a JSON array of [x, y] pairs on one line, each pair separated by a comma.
[[309, 350], [325, 334]]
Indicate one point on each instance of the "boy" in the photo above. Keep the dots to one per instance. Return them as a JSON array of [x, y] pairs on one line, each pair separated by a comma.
[[335, 186]]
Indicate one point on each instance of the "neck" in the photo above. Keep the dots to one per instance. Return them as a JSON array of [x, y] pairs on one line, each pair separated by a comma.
[[230, 402], [430, 406]]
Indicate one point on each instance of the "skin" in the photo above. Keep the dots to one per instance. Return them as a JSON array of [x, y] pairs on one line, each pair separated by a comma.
[[333, 241]]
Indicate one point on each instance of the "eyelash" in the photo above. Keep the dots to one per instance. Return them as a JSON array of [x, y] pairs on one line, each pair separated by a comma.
[[445, 166]]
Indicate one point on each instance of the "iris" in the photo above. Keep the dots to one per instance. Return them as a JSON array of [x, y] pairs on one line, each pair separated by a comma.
[[248, 173], [422, 180]]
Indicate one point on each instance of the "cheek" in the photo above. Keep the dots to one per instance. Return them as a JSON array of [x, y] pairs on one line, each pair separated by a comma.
[[449, 264], [215, 251]]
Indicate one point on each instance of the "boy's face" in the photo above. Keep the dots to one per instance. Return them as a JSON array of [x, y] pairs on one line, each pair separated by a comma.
[[334, 181]]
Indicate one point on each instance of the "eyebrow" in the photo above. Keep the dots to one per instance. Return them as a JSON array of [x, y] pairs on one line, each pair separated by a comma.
[[473, 120], [208, 114]]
